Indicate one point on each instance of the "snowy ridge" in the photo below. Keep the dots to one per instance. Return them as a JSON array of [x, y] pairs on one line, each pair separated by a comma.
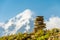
[[14, 24]]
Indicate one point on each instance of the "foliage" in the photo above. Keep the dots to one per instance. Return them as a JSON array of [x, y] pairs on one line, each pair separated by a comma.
[[40, 35]]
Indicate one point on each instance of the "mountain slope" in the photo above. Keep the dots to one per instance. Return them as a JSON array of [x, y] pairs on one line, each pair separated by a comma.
[[20, 23]]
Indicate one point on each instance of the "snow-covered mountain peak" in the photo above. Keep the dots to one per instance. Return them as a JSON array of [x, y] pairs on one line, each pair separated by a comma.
[[27, 13], [20, 23]]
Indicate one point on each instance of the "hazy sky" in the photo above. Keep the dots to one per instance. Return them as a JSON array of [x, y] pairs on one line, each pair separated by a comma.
[[46, 8]]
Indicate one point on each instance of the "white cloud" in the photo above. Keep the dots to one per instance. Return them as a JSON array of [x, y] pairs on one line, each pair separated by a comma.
[[53, 22], [1, 24]]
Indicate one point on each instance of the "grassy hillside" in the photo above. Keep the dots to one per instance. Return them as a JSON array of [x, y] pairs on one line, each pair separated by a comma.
[[53, 34]]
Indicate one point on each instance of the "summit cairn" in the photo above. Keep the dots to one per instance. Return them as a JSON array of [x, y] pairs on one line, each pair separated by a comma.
[[39, 23]]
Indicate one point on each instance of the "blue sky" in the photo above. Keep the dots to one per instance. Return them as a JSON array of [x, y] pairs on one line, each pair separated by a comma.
[[46, 8]]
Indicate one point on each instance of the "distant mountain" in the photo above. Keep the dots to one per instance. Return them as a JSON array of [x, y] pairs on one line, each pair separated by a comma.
[[23, 22]]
